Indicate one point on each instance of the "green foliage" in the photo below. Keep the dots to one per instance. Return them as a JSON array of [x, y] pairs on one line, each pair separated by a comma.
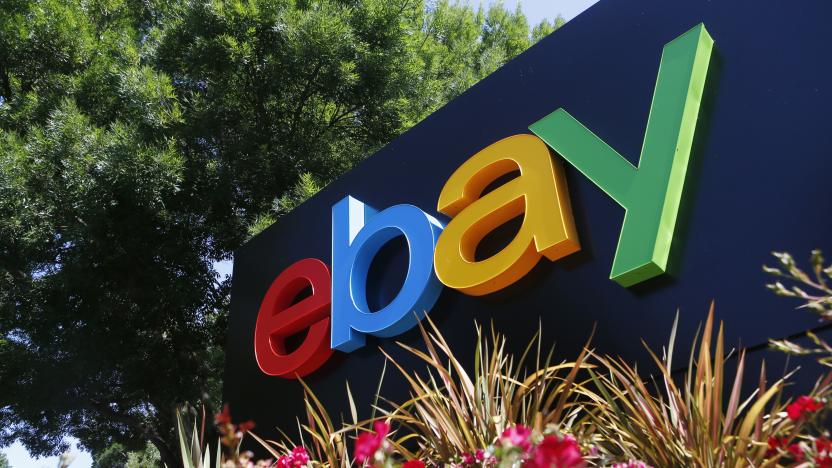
[[4, 461], [147, 458], [305, 187], [141, 141], [116, 456], [193, 453], [111, 457]]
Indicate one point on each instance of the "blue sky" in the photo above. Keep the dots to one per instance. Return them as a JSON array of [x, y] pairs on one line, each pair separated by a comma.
[[535, 10]]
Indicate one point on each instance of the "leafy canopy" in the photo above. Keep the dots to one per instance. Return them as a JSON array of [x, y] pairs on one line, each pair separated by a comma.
[[141, 141]]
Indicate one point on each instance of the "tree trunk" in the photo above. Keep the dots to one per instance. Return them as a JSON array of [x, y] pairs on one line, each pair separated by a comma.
[[167, 457]]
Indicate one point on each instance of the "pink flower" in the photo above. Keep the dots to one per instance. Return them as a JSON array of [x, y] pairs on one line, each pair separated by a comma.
[[632, 464], [368, 443], [480, 457], [414, 464], [801, 406], [556, 452], [299, 457], [518, 436]]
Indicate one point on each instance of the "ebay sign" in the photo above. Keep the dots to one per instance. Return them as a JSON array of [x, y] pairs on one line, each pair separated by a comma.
[[336, 314]]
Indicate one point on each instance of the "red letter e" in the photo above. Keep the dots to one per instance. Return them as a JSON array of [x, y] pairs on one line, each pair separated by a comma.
[[279, 318]]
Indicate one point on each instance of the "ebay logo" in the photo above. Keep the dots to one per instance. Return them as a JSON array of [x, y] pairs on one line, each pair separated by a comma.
[[337, 316]]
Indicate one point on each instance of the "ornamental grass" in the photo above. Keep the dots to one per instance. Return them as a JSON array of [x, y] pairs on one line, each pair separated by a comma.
[[597, 410], [452, 413], [699, 420]]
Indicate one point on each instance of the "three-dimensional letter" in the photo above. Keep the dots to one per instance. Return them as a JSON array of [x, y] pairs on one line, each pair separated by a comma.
[[650, 194], [358, 232], [280, 317], [539, 193]]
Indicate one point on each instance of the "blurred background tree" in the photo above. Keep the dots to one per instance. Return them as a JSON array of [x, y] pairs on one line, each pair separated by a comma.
[[141, 141]]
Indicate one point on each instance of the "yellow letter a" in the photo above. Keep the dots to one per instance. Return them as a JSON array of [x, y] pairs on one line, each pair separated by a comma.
[[539, 193]]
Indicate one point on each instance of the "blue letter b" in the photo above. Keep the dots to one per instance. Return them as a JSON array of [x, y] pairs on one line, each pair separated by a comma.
[[358, 232]]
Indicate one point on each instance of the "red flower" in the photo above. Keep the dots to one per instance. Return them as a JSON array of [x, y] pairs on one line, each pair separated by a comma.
[[556, 452], [776, 443], [801, 406], [296, 458], [468, 459], [299, 456], [414, 464], [823, 452], [484, 458], [246, 426], [796, 452], [823, 461], [223, 417], [368, 443], [518, 436]]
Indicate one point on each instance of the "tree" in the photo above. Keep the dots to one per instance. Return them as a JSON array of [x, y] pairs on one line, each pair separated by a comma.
[[4, 461], [141, 141], [116, 456], [113, 456]]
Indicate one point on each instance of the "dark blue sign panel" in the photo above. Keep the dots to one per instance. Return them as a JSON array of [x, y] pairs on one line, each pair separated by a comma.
[[757, 181]]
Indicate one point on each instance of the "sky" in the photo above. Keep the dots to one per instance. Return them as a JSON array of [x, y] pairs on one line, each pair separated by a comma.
[[535, 10], [19, 458]]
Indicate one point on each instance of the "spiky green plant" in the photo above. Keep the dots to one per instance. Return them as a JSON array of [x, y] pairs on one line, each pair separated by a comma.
[[696, 424], [194, 453], [451, 412]]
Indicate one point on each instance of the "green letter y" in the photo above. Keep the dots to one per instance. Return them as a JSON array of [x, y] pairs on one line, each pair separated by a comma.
[[650, 193]]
